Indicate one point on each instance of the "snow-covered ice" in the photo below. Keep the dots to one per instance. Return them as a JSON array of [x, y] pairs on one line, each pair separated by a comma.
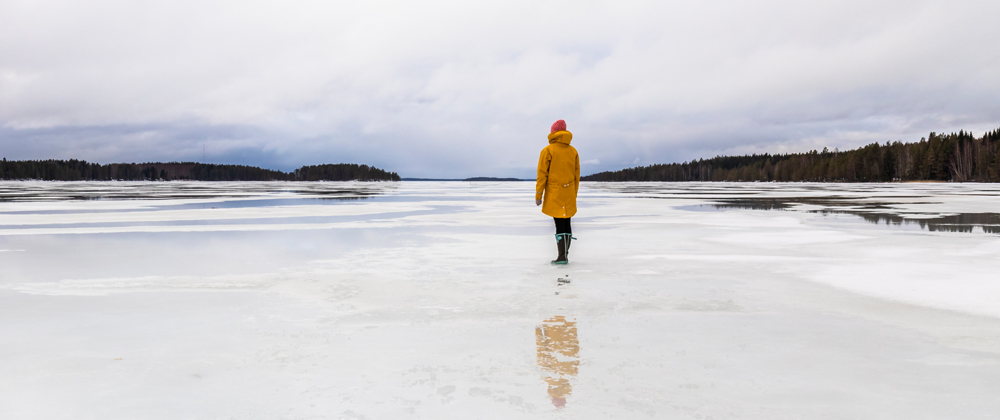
[[436, 300]]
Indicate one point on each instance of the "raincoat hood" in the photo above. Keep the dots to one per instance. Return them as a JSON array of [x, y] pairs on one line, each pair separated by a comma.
[[563, 137]]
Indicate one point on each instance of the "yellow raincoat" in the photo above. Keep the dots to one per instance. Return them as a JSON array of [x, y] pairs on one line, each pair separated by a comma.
[[558, 176]]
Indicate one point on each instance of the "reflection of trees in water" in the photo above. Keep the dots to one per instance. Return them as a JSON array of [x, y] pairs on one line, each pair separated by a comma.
[[345, 198], [754, 204], [963, 222], [558, 355], [784, 203]]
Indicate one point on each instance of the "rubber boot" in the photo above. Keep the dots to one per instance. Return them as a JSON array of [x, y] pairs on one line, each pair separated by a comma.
[[569, 242], [562, 240]]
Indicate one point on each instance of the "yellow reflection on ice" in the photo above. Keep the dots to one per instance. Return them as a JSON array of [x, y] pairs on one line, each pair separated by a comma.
[[558, 350]]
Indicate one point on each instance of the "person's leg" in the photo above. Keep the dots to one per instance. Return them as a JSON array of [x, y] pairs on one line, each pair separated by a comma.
[[561, 238], [561, 225]]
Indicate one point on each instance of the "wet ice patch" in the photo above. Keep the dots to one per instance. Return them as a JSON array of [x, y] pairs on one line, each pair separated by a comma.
[[787, 238], [721, 257], [709, 306], [83, 216], [104, 287]]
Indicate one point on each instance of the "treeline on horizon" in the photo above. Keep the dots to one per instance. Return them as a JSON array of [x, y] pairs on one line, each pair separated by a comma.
[[81, 170], [958, 157]]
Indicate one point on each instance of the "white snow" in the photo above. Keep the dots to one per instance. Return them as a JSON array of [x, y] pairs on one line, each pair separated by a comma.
[[436, 300]]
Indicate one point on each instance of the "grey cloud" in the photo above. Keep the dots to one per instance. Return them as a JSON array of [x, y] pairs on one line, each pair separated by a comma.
[[443, 89]]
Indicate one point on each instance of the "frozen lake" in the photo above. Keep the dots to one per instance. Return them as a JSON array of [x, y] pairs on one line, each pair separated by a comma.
[[437, 300]]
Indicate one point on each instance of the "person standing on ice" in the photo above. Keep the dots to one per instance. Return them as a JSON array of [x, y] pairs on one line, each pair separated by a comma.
[[558, 182]]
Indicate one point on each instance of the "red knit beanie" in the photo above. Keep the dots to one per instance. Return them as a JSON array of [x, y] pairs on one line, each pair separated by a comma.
[[558, 126]]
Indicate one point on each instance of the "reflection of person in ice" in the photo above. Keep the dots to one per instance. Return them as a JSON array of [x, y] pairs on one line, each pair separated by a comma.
[[559, 181], [558, 350]]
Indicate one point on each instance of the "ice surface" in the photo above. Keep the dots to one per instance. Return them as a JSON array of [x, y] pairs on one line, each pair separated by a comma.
[[436, 300]]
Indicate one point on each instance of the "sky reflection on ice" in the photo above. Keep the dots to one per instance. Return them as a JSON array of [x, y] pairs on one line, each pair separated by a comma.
[[112, 190]]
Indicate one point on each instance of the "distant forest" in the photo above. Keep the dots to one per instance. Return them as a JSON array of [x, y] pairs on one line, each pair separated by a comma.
[[80, 170], [958, 157]]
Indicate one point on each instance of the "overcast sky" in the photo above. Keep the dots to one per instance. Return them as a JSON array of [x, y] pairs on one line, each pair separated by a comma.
[[457, 89]]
